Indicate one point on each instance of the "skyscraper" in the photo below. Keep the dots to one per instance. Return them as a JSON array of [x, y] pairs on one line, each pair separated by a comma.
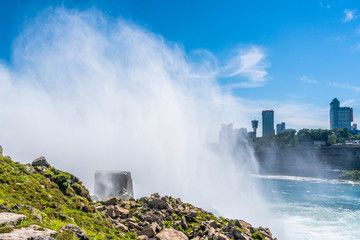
[[340, 117], [280, 128], [268, 123]]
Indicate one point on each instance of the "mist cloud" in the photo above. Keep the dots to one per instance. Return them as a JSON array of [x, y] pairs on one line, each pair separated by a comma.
[[91, 93]]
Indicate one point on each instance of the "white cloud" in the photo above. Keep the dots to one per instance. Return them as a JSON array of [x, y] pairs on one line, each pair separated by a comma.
[[306, 79], [345, 86], [349, 15], [248, 63]]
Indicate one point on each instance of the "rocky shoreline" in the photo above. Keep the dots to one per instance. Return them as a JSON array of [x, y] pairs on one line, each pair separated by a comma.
[[157, 217], [39, 202]]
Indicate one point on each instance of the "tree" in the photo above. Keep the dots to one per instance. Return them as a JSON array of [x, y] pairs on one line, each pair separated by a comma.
[[331, 139]]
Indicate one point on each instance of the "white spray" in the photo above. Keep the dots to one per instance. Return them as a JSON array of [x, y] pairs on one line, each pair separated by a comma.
[[96, 94]]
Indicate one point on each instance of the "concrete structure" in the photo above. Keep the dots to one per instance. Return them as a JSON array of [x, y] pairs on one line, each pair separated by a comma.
[[280, 128], [340, 117], [268, 123], [113, 184]]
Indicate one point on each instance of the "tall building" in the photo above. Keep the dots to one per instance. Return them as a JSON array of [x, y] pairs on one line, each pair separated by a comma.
[[268, 123], [280, 128], [340, 117]]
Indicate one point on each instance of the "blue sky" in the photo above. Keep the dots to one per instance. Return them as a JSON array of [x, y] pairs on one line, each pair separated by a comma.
[[291, 57]]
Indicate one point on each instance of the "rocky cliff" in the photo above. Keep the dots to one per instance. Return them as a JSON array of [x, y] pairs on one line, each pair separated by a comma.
[[38, 201]]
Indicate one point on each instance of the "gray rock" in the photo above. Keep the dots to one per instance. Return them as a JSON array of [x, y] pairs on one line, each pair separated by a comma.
[[122, 227], [113, 183], [171, 234], [31, 232], [42, 238], [111, 201], [149, 231], [124, 213], [113, 212], [158, 204], [1, 151], [75, 229], [7, 218], [134, 225], [222, 237], [212, 224], [241, 236], [101, 208], [40, 162], [143, 237]]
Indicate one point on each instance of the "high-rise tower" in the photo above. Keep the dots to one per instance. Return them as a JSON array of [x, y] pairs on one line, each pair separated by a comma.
[[340, 117], [268, 123]]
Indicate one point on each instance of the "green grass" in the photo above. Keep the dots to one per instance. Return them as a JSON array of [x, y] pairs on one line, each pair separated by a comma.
[[50, 193]]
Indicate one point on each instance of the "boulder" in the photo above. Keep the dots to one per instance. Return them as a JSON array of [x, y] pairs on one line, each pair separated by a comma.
[[7, 218], [75, 229], [171, 234], [122, 227], [29, 233], [212, 224], [240, 235], [149, 231], [113, 212], [124, 213], [40, 162], [111, 201], [134, 225], [158, 204]]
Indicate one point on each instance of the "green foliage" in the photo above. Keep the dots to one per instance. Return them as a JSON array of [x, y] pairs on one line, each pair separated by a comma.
[[350, 175], [304, 137], [51, 192], [5, 229], [331, 139], [257, 235]]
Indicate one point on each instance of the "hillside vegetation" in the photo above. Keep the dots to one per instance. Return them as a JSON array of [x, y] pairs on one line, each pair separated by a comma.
[[50, 199]]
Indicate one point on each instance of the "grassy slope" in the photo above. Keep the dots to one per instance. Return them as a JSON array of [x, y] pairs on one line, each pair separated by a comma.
[[58, 197]]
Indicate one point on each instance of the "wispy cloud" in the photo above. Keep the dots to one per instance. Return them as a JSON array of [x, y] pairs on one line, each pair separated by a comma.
[[349, 15], [306, 79], [345, 86], [355, 48], [249, 64]]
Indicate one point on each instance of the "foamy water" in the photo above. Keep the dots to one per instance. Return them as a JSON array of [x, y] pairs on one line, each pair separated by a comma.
[[315, 208]]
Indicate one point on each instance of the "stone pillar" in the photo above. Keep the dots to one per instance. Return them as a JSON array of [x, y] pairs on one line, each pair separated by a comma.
[[113, 184]]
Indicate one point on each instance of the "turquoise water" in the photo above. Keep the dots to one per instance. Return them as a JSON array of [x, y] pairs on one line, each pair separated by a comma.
[[312, 208]]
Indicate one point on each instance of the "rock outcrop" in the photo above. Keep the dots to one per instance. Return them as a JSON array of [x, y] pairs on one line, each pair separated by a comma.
[[36, 200], [10, 220], [40, 162], [164, 218]]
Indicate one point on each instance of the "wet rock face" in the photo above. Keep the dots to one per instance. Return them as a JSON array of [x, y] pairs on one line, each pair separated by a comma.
[[113, 184]]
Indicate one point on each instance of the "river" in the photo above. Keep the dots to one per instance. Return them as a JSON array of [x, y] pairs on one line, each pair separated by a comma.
[[314, 208]]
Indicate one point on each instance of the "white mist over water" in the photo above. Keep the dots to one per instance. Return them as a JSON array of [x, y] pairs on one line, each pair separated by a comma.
[[91, 94]]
